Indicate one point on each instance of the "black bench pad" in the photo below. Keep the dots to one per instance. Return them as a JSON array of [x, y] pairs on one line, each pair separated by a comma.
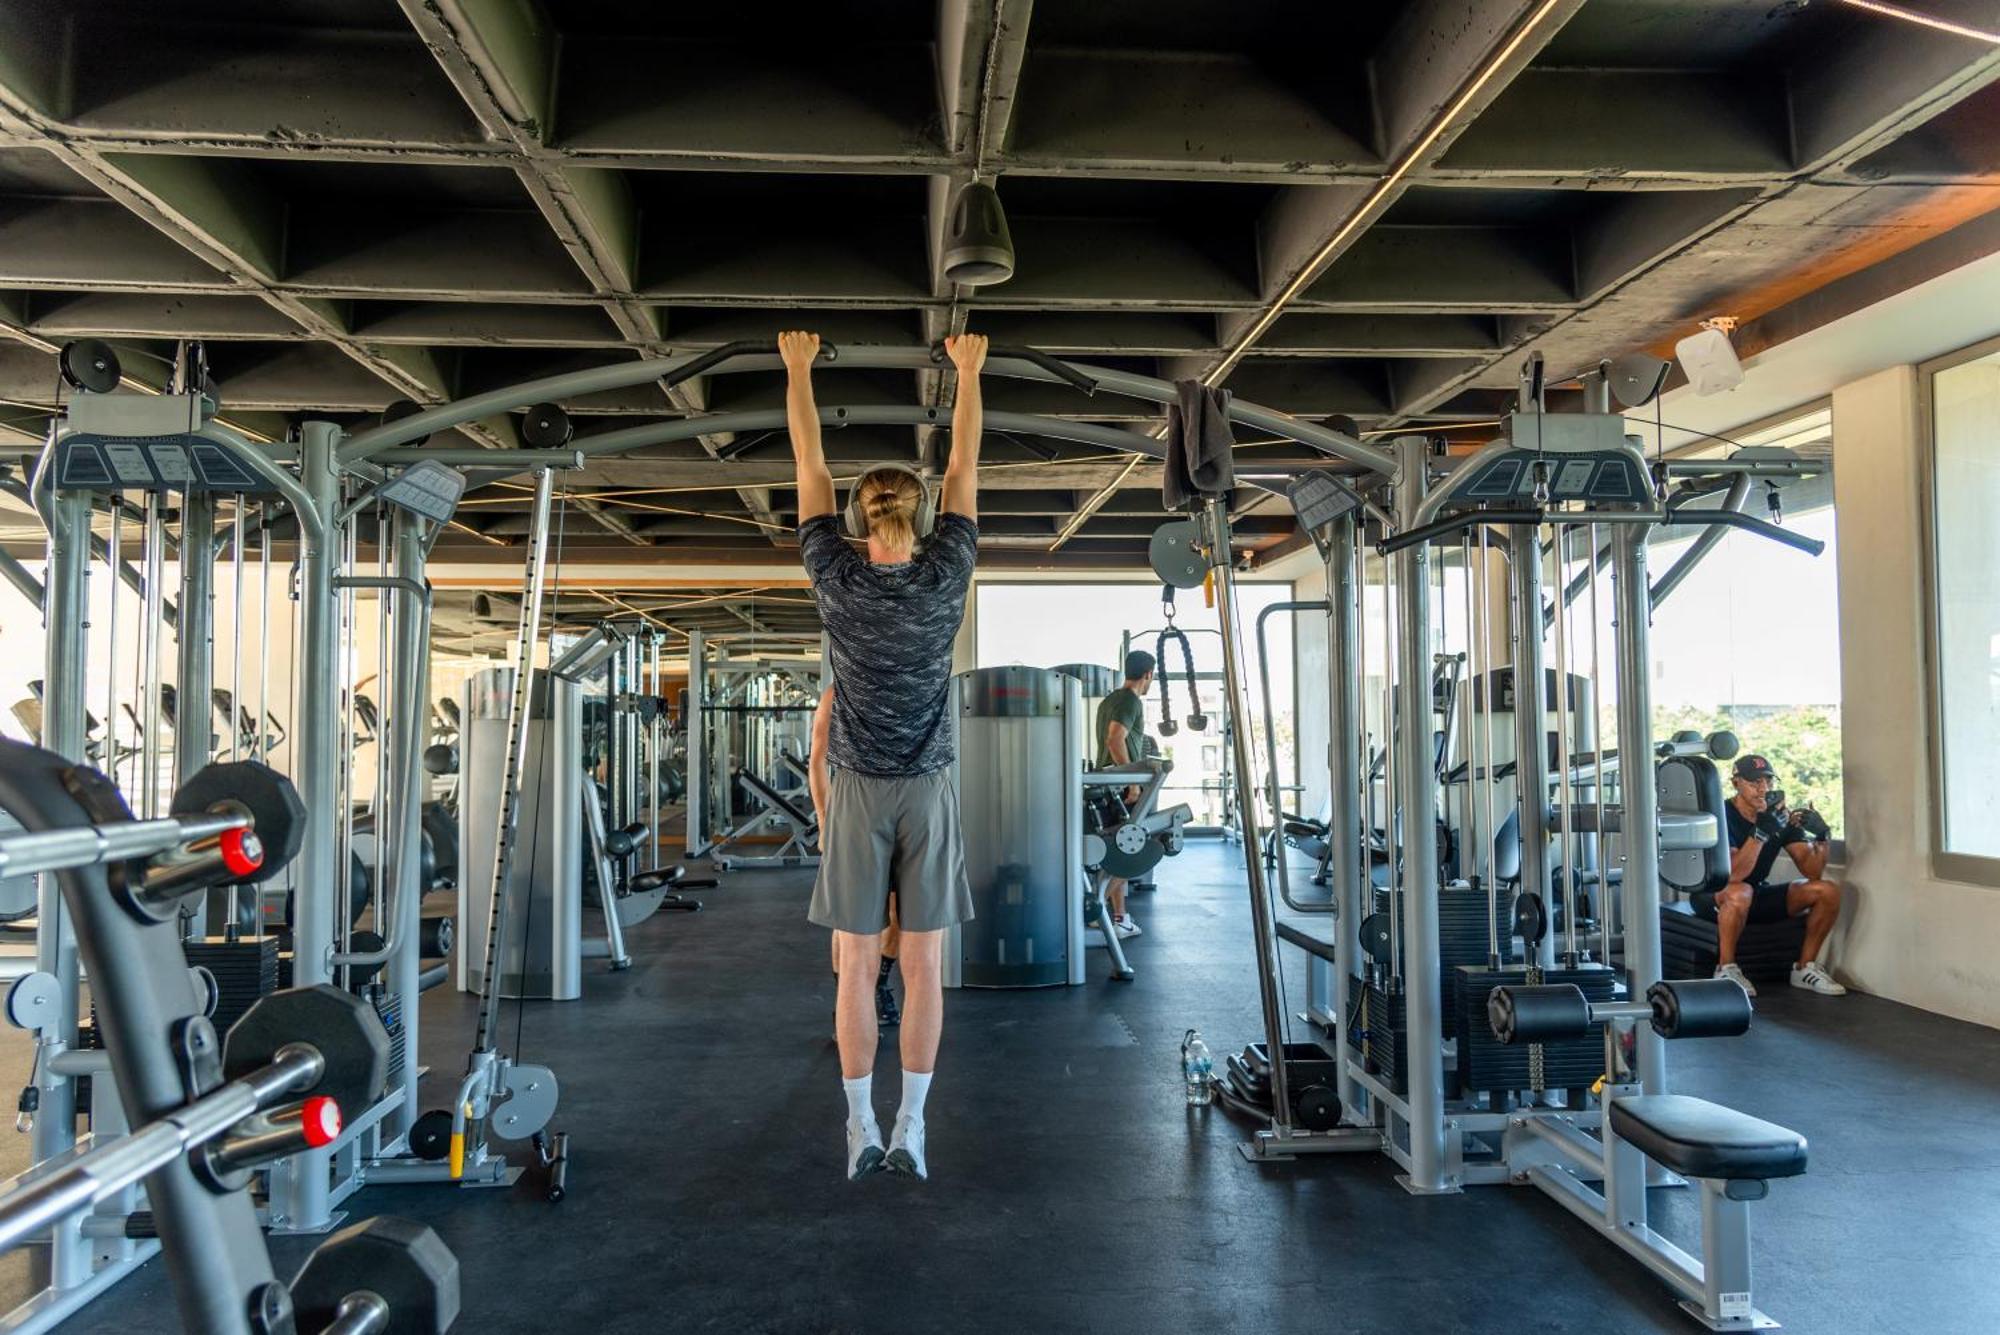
[[1696, 1138]]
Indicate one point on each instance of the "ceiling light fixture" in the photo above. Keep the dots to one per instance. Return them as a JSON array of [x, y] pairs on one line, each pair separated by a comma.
[[978, 249], [1925, 20]]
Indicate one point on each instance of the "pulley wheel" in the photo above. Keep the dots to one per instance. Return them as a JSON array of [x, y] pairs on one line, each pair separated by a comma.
[[1531, 917], [1174, 555], [1376, 941], [89, 364], [546, 427]]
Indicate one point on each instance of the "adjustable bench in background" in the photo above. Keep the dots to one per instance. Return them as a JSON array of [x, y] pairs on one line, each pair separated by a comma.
[[801, 845]]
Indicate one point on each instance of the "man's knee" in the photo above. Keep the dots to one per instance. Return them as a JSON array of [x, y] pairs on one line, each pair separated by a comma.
[[856, 950], [1734, 899], [921, 953], [1823, 895]]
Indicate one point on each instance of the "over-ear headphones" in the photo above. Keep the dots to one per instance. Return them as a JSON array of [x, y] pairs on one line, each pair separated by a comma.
[[922, 522]]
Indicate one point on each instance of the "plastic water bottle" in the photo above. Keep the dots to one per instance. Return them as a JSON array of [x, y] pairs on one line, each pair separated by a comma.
[[1199, 1069]]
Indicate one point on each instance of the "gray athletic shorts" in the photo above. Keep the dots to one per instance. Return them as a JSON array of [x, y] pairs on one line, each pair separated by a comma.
[[881, 831]]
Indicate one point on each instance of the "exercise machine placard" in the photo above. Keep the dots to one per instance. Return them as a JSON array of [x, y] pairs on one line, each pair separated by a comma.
[[185, 463]]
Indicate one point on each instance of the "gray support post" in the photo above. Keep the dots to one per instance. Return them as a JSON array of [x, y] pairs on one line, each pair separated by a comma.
[[1344, 764], [411, 665], [1531, 747], [194, 673], [64, 611], [696, 762], [1236, 706], [1639, 842], [300, 1186], [1416, 798], [1725, 1258]]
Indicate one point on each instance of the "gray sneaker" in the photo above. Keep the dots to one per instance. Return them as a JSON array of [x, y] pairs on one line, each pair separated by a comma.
[[864, 1150], [1735, 975], [906, 1150]]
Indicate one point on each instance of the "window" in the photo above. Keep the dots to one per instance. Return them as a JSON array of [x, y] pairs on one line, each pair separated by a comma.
[[1965, 588], [1750, 640], [1043, 625]]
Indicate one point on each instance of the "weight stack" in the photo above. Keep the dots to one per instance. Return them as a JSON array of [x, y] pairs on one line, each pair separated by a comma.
[[1487, 1065], [1462, 940], [244, 969], [1377, 1033], [389, 1008]]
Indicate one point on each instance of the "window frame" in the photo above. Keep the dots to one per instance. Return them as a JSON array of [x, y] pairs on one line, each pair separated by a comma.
[[1945, 865]]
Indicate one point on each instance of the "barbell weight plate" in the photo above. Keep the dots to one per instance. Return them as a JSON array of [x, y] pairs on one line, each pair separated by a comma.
[[345, 1029], [276, 811], [1316, 1108], [1531, 917], [1376, 941], [1174, 556], [402, 1262], [430, 1135]]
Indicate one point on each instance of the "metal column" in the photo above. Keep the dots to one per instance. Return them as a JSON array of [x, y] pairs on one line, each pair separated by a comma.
[[300, 1186], [694, 724], [195, 670], [411, 664], [1236, 706], [1531, 746], [1345, 819], [65, 609], [1416, 799], [1639, 844]]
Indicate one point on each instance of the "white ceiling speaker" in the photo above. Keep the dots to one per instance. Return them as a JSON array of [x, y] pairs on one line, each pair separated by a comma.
[[978, 250], [1708, 358], [1637, 378]]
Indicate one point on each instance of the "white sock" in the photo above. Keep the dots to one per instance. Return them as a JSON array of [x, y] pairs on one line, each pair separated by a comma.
[[860, 1099], [916, 1087]]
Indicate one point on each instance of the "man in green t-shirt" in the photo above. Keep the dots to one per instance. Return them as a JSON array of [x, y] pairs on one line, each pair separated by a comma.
[[1121, 740]]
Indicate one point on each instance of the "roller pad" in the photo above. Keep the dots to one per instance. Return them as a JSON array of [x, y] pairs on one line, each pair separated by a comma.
[[1699, 1008], [1549, 1013]]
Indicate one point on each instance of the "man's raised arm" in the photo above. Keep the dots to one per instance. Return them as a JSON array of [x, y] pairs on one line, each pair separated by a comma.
[[961, 475], [815, 483]]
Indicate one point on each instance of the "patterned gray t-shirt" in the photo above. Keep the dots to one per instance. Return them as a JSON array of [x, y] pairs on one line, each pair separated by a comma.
[[889, 631]]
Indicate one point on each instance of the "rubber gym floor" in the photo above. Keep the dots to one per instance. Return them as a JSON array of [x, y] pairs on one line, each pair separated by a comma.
[[1073, 1190]]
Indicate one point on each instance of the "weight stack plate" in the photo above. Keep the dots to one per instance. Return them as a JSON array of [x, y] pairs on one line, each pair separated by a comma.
[[1377, 1033], [389, 1008], [1463, 937], [1485, 1064], [244, 970]]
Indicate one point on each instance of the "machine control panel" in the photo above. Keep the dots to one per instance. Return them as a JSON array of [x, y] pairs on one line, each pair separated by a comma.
[[182, 462], [1607, 477]]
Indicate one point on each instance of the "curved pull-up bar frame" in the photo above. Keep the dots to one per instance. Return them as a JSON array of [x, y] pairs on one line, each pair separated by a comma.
[[758, 356]]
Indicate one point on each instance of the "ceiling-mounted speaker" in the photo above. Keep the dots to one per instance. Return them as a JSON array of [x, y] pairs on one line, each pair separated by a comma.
[[1637, 378], [1710, 361], [978, 248]]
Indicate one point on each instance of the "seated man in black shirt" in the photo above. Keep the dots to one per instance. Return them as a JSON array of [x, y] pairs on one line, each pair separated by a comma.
[[1757, 834]]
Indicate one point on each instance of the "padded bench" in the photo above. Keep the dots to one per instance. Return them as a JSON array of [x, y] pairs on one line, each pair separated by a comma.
[[1766, 951], [1699, 1139]]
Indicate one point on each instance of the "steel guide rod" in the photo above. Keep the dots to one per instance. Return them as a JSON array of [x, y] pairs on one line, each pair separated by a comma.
[[1347, 816]]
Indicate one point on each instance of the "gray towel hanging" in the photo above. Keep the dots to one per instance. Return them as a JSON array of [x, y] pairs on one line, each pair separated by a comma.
[[1200, 449]]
